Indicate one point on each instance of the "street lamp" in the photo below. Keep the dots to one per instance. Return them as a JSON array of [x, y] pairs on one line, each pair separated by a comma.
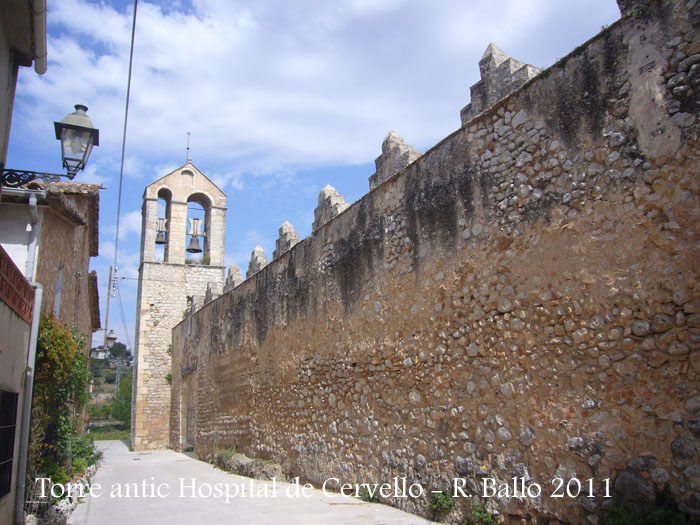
[[77, 136], [111, 339]]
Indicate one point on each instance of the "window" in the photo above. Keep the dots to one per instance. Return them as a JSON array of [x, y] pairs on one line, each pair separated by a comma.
[[8, 422]]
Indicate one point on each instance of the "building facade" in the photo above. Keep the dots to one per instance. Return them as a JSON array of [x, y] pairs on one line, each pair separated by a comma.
[[172, 278]]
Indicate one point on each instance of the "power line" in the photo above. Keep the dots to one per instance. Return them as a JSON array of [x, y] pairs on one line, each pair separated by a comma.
[[126, 118], [121, 308], [121, 167]]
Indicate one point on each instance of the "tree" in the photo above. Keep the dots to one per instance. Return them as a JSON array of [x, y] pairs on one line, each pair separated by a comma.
[[121, 406], [119, 350]]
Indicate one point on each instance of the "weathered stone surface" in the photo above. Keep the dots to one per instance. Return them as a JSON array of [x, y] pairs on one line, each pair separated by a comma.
[[643, 463], [640, 328], [396, 155], [694, 425], [662, 322], [683, 448], [500, 76], [330, 204], [164, 287], [464, 466], [526, 437], [631, 487], [233, 278], [258, 261], [286, 240], [391, 333], [253, 468]]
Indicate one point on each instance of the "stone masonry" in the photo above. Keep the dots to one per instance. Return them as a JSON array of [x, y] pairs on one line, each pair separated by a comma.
[[258, 261], [163, 290], [288, 238], [396, 155], [523, 300], [233, 278], [500, 76], [330, 204]]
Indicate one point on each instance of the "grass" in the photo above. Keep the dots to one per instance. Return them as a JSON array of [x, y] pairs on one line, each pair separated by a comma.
[[224, 454], [119, 435], [107, 432]]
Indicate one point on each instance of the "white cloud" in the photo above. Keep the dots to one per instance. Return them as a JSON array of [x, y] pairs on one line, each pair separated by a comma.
[[129, 223], [273, 85], [269, 88]]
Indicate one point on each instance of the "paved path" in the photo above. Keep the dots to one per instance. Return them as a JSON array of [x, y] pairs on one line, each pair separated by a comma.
[[163, 469]]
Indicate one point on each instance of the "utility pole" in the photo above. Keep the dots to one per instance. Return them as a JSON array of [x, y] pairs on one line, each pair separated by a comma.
[[120, 363], [109, 293]]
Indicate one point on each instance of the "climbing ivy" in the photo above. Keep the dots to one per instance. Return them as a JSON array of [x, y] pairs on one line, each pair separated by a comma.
[[60, 390]]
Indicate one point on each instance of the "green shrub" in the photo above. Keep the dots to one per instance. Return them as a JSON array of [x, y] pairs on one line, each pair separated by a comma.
[[99, 411], [60, 390], [110, 377], [53, 470], [369, 497], [79, 466], [224, 454], [443, 502], [83, 448], [479, 516]]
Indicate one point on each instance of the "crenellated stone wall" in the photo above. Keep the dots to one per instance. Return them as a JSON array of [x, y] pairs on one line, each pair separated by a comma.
[[500, 76], [522, 300]]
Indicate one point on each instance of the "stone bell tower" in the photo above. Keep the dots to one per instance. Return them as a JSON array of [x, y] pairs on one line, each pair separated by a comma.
[[182, 254]]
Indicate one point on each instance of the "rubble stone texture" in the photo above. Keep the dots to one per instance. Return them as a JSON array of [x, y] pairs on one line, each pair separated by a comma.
[[330, 204], [163, 290], [500, 76], [258, 261], [288, 238], [396, 155], [233, 278], [522, 300]]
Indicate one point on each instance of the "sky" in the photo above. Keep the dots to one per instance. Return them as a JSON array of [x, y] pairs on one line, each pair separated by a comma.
[[281, 97]]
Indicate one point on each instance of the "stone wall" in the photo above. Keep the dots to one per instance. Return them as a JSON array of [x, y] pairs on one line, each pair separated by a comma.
[[166, 289], [163, 290], [522, 300], [68, 240]]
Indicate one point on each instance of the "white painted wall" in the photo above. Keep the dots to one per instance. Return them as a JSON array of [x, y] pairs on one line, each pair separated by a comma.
[[14, 233]]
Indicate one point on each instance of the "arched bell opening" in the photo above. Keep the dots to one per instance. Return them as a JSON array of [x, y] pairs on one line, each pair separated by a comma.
[[163, 225], [197, 238]]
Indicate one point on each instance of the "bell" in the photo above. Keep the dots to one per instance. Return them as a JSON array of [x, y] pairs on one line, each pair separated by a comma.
[[160, 232], [194, 245]]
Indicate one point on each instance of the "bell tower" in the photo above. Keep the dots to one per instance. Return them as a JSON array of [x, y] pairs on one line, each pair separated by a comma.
[[182, 254]]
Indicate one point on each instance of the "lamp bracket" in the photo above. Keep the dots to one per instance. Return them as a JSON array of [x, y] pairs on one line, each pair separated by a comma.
[[16, 178]]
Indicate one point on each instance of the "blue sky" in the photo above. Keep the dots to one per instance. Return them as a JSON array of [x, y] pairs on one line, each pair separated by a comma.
[[281, 98]]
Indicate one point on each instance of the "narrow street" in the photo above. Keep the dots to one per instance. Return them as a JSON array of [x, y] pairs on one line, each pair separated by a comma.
[[165, 486]]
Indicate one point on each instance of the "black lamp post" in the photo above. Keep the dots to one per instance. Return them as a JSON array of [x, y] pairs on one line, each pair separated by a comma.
[[77, 136]]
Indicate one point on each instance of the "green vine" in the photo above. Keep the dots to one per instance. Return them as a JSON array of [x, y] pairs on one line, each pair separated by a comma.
[[60, 393]]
